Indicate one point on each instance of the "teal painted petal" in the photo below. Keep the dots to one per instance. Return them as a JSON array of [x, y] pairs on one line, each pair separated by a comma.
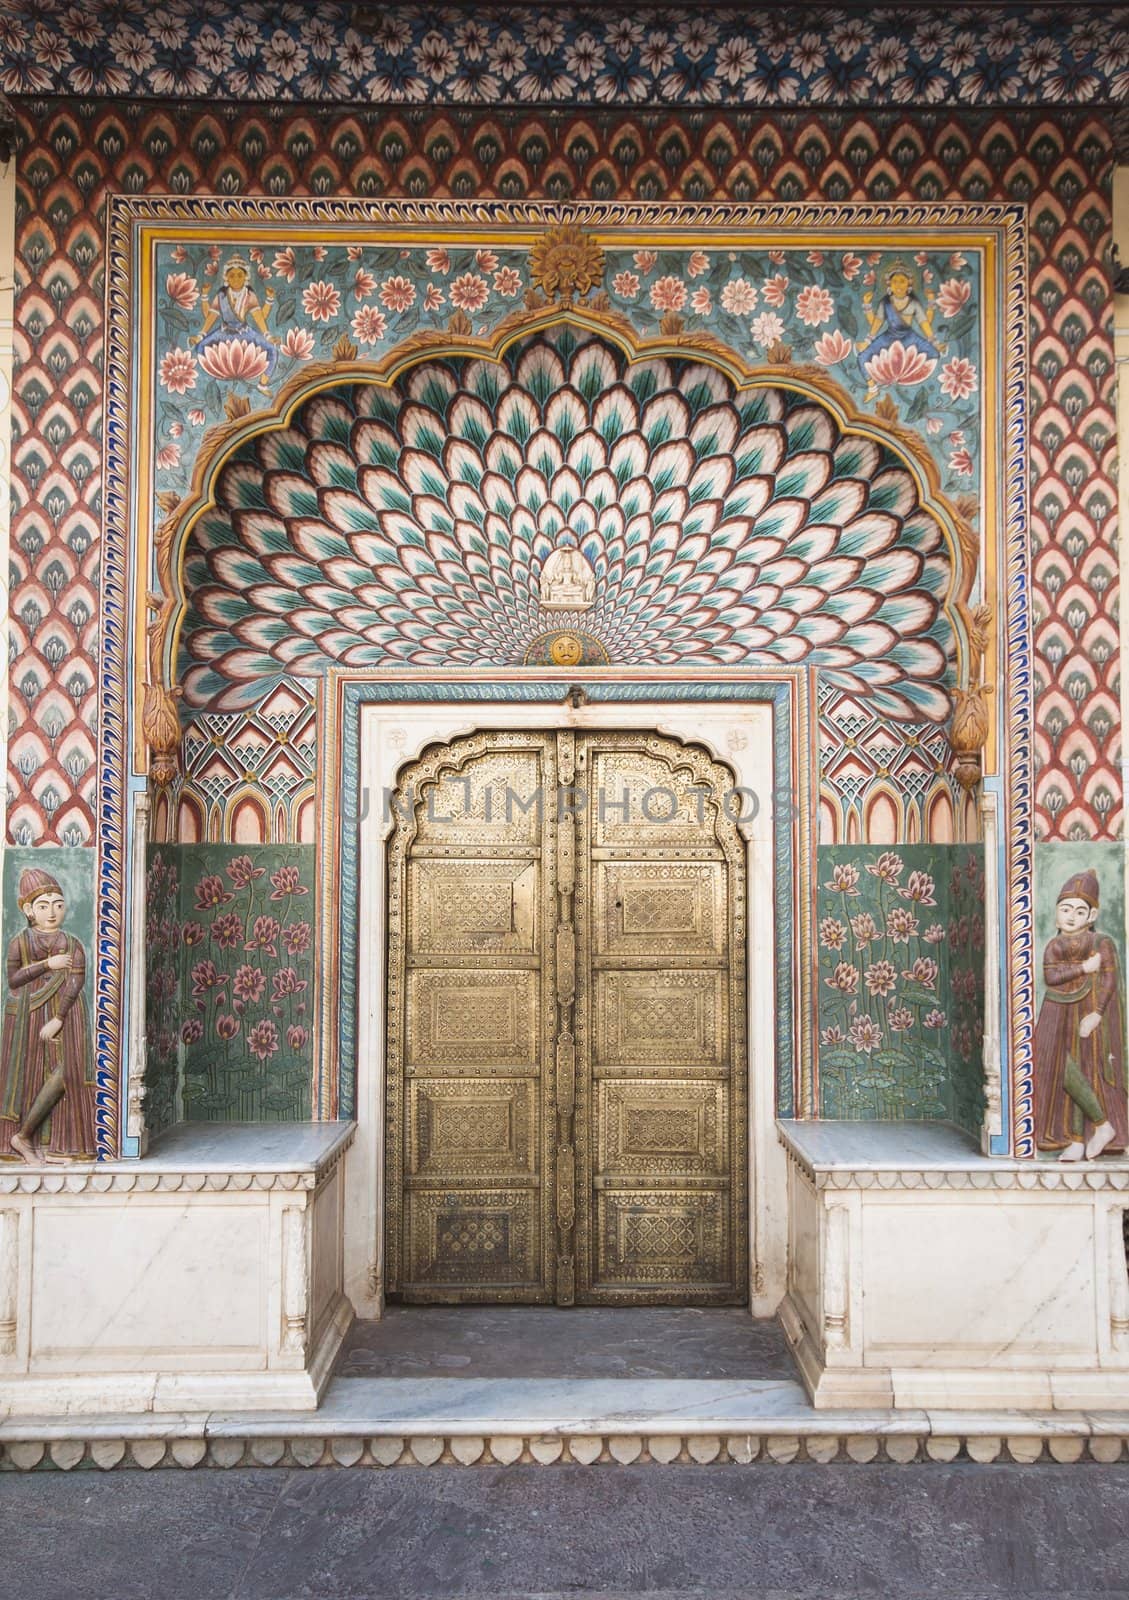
[[869, 535], [893, 491], [804, 475], [376, 445], [856, 458], [760, 452], [468, 419]]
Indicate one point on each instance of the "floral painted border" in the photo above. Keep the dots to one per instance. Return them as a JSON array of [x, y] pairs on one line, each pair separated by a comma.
[[577, 55]]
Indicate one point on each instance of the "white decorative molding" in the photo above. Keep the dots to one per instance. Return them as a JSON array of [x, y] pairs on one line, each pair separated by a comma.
[[9, 1279]]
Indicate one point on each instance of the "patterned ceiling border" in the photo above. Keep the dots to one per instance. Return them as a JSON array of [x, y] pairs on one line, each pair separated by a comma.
[[410, 55], [127, 559]]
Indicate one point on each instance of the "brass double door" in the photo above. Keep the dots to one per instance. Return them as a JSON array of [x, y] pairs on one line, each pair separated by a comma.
[[566, 1090]]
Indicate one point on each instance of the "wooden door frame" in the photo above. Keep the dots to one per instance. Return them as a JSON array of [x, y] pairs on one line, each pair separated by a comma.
[[737, 731]]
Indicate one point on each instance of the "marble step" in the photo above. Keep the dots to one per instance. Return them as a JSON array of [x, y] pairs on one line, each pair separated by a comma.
[[383, 1422]]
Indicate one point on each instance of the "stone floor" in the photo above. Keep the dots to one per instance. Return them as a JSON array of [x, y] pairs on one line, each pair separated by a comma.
[[543, 1342]]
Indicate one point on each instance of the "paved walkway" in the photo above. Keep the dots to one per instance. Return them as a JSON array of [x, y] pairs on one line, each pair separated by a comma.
[[927, 1532]]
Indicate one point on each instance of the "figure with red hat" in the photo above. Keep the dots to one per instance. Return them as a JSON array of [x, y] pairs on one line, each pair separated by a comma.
[[1081, 1097], [46, 1071]]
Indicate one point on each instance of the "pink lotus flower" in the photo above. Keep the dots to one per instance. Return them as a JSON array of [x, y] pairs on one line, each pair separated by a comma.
[[958, 378], [844, 878], [321, 301], [776, 290], [899, 363], [227, 1026], [767, 328], [776, 257], [469, 292], [954, 294], [831, 348], [242, 871], [262, 1041], [738, 297], [178, 371], [645, 260], [397, 294], [888, 867], [933, 424], [234, 359], [865, 1034], [700, 302], [626, 284], [816, 257], [168, 456], [206, 977], [296, 1036], [438, 261], [668, 294], [210, 892], [296, 937], [864, 927], [880, 977], [507, 282], [698, 263], [845, 978], [285, 264], [934, 933], [286, 981], [191, 933], [433, 297], [197, 417], [298, 344], [851, 265], [176, 429], [264, 932], [182, 290], [192, 1031], [248, 984], [486, 260], [369, 325], [179, 253], [364, 284], [919, 887], [833, 1035], [961, 462], [319, 252], [227, 930], [924, 971], [901, 925], [814, 305], [287, 880], [957, 261], [935, 1019], [900, 1018]]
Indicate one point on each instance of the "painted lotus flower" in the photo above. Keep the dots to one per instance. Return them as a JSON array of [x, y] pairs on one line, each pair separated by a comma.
[[262, 1040], [953, 296], [900, 364], [182, 290], [880, 977], [411, 526], [844, 878], [864, 928], [298, 344], [831, 348], [845, 978], [234, 358], [178, 371], [865, 1034], [832, 933], [958, 378], [814, 305]]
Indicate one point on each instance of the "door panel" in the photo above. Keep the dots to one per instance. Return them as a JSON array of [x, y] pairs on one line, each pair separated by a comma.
[[566, 1001]]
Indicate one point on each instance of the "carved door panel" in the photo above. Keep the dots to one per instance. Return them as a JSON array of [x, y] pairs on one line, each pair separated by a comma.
[[471, 1024], [661, 1026], [566, 1061]]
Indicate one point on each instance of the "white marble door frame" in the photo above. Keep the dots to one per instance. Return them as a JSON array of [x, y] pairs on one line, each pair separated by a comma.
[[735, 732]]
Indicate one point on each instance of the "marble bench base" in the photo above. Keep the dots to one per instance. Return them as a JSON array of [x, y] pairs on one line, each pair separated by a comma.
[[206, 1275]]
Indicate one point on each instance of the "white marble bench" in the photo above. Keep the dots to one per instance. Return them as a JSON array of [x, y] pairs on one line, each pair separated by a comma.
[[206, 1274], [924, 1274]]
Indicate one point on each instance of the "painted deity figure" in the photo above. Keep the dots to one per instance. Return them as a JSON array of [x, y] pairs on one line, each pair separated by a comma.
[[46, 1069], [901, 317], [234, 311], [567, 581], [1081, 1096]]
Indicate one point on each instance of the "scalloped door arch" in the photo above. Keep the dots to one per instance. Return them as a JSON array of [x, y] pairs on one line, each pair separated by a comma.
[[399, 512]]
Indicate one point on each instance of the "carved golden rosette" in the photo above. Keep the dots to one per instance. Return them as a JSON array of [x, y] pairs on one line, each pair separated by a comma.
[[566, 262]]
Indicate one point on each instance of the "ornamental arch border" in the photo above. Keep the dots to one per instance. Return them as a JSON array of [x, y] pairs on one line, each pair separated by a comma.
[[129, 545]]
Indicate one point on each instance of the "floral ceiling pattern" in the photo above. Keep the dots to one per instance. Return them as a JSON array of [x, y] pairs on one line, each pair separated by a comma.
[[416, 526], [583, 55]]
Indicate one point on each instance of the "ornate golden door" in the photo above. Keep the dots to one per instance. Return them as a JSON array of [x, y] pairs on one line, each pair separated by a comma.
[[566, 1092]]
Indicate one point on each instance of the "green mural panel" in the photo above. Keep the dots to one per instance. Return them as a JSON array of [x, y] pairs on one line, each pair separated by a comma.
[[247, 978], [163, 987], [901, 983]]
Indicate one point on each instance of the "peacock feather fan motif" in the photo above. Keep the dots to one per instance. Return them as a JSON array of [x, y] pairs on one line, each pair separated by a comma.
[[409, 526]]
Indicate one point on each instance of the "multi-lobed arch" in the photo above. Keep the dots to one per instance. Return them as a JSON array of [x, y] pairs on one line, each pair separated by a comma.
[[401, 514]]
